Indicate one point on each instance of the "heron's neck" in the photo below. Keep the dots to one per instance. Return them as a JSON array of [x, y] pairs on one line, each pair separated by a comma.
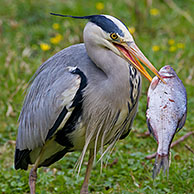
[[110, 63], [116, 70]]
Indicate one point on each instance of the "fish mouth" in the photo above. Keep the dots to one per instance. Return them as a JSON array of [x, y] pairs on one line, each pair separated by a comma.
[[165, 74], [161, 161], [132, 54]]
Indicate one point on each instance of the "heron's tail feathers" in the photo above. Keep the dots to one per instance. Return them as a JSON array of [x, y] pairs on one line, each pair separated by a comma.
[[22, 159]]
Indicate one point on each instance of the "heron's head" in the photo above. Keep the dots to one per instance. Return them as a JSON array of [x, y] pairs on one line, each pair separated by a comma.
[[109, 32]]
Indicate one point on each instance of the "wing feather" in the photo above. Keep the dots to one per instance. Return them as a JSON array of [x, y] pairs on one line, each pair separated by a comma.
[[50, 92]]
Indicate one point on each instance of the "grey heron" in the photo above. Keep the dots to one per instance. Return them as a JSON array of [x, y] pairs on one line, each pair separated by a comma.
[[82, 98]]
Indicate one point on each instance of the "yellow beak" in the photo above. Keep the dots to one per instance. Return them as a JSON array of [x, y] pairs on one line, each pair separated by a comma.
[[132, 53]]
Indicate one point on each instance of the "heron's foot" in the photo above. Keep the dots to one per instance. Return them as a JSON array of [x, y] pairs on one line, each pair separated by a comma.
[[32, 180], [84, 189]]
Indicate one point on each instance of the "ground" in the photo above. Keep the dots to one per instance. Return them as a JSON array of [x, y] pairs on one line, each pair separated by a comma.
[[29, 35]]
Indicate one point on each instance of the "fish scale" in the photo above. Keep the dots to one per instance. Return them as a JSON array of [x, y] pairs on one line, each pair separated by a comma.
[[166, 113]]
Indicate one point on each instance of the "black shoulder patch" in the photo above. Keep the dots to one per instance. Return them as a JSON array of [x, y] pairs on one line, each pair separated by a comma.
[[77, 99], [70, 125], [57, 123], [61, 135]]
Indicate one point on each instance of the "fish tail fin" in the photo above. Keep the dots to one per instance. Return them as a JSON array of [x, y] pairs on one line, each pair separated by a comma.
[[161, 161]]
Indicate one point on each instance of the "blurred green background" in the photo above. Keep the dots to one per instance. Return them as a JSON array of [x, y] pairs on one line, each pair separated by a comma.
[[29, 35]]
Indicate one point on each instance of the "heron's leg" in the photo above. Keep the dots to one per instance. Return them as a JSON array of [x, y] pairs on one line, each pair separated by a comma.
[[84, 189], [33, 172], [32, 180]]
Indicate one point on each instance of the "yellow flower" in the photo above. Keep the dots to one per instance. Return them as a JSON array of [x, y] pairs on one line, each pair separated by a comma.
[[155, 48], [45, 46], [180, 45], [55, 26], [171, 42], [154, 12], [131, 29], [99, 6], [172, 48], [56, 39]]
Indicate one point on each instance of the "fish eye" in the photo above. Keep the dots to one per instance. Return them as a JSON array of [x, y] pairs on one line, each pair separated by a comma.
[[114, 36]]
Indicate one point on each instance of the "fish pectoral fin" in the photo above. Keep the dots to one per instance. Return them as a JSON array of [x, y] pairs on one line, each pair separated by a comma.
[[181, 122]]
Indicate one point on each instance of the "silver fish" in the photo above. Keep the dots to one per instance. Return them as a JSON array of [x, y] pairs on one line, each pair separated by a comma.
[[166, 113]]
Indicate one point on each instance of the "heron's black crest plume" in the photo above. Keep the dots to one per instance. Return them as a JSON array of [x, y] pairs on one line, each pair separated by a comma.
[[100, 20], [89, 17]]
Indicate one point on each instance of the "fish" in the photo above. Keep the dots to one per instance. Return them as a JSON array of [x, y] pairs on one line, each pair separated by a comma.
[[166, 114]]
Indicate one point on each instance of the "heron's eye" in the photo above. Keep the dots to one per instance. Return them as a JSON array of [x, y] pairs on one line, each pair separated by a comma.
[[114, 36]]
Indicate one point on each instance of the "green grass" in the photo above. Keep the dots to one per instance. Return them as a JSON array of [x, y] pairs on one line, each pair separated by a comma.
[[25, 24]]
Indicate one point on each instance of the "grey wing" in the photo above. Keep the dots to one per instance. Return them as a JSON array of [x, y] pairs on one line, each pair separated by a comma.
[[49, 93]]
